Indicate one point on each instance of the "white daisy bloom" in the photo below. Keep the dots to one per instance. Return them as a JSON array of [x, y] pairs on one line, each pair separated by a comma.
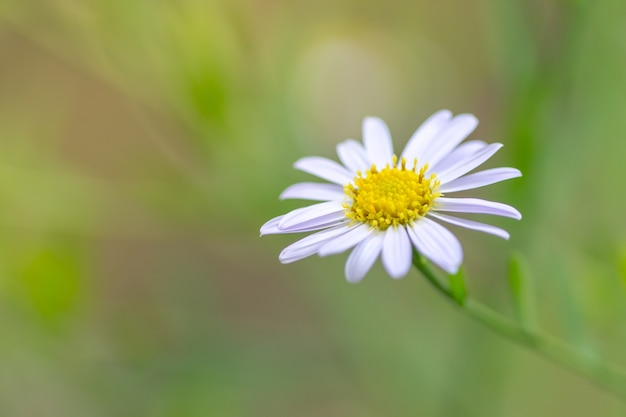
[[378, 204]]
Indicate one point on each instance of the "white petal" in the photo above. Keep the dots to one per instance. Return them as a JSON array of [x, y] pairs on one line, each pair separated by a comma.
[[318, 215], [424, 135], [397, 252], [377, 141], [438, 244], [271, 226], [353, 156], [476, 205], [451, 135], [470, 224], [363, 257], [313, 227], [324, 168], [460, 152], [467, 164], [309, 245], [314, 191], [356, 235], [480, 179], [427, 248]]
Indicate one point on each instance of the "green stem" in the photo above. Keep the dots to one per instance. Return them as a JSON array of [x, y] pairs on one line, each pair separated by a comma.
[[592, 368]]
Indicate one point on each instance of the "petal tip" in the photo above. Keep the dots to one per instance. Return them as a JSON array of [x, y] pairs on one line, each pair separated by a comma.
[[398, 276], [353, 279], [298, 163], [372, 119], [452, 269], [271, 227], [285, 258], [469, 116]]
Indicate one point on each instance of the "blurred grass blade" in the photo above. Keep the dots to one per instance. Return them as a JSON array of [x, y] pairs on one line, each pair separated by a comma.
[[522, 290], [457, 286], [573, 310], [622, 266]]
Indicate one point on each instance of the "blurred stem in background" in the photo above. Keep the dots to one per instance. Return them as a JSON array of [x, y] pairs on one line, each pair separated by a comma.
[[522, 331]]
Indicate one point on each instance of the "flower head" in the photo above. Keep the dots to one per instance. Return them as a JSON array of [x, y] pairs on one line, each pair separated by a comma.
[[378, 204]]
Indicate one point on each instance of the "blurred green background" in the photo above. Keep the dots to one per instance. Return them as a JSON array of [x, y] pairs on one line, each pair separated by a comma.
[[143, 143]]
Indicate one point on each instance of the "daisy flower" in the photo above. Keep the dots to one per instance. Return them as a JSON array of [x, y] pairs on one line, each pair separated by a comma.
[[378, 204]]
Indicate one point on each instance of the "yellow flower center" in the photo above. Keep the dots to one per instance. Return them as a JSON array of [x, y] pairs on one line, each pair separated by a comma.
[[392, 196]]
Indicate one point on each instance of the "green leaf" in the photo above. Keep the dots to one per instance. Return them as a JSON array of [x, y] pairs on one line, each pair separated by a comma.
[[457, 286], [522, 291]]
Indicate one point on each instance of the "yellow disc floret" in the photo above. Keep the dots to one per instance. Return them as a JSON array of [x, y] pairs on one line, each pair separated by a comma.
[[392, 196]]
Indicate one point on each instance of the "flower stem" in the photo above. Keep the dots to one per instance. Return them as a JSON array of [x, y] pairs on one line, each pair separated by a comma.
[[588, 366]]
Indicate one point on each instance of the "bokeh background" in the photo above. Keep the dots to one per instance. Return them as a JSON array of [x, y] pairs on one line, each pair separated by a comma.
[[143, 143]]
